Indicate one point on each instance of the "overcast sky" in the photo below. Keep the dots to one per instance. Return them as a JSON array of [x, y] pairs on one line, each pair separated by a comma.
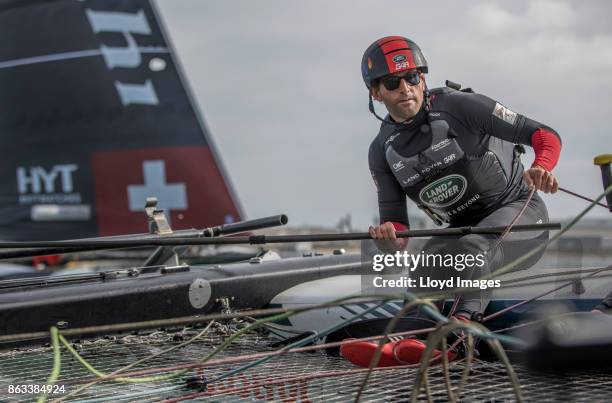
[[280, 87]]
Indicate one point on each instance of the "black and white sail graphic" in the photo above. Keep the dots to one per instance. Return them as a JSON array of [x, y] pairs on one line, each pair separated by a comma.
[[94, 118]]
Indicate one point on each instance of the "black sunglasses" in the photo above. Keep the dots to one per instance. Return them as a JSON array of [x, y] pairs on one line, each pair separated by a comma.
[[393, 82]]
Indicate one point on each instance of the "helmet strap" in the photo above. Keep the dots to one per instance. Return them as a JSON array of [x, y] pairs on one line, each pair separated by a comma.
[[427, 103], [390, 121], [373, 111]]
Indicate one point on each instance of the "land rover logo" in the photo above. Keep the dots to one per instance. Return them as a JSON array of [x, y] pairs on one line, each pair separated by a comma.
[[399, 58], [444, 191]]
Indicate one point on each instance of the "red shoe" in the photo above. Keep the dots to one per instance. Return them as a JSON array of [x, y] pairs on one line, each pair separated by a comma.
[[361, 352], [409, 351], [394, 353]]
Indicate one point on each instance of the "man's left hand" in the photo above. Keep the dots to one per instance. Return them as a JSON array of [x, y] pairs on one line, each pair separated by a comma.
[[541, 179]]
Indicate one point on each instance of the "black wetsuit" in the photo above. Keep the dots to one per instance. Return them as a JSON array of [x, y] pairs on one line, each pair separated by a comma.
[[461, 166]]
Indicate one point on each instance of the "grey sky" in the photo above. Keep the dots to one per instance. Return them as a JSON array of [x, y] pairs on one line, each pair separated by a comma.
[[279, 85]]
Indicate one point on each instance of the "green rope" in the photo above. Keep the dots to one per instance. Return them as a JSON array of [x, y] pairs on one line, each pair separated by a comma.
[[240, 333], [509, 266], [55, 336], [442, 331], [100, 374], [219, 349], [57, 365], [137, 362], [299, 343]]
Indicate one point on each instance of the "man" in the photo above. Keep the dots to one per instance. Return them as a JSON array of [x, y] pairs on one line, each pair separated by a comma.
[[454, 154]]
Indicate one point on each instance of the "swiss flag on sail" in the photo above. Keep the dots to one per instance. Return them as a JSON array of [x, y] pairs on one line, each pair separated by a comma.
[[186, 181]]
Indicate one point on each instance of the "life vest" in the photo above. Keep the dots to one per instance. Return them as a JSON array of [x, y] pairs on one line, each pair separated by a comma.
[[443, 180]]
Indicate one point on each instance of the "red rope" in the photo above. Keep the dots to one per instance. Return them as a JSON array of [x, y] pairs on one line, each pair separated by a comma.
[[569, 192], [514, 220], [296, 379], [500, 240]]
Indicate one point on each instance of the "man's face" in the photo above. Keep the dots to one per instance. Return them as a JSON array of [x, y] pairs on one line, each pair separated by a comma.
[[404, 102]]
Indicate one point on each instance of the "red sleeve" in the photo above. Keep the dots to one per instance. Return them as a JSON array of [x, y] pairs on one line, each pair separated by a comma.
[[547, 147]]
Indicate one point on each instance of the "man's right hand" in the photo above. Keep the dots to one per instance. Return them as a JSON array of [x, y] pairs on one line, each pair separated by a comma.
[[385, 238], [383, 231], [541, 179]]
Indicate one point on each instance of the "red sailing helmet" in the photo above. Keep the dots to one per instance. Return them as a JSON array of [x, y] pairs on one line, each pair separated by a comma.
[[389, 55]]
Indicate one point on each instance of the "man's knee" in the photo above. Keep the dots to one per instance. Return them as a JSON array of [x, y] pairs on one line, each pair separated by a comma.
[[471, 243]]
